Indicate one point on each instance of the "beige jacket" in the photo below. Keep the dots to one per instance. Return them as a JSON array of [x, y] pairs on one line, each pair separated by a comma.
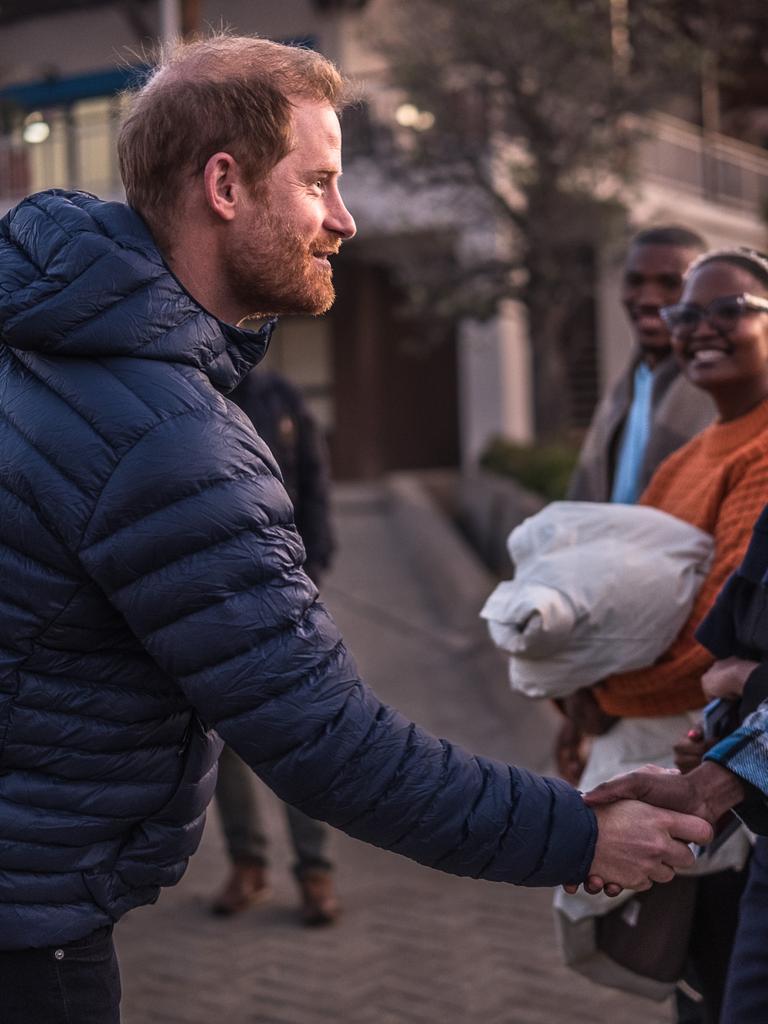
[[679, 412]]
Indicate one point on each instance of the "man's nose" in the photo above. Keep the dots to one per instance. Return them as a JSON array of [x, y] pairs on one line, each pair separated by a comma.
[[339, 220], [650, 294]]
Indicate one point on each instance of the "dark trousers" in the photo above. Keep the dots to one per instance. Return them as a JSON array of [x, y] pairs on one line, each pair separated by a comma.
[[243, 829], [746, 992], [74, 983], [713, 929]]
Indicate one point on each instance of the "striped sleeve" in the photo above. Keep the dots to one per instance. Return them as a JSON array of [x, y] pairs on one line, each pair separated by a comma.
[[745, 753]]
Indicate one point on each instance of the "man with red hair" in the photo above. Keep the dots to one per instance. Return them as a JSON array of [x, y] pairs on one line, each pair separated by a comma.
[[152, 586]]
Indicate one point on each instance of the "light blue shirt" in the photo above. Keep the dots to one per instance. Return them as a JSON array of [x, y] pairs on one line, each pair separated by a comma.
[[634, 439]]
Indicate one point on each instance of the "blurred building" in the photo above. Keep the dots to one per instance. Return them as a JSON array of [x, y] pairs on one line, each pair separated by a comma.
[[393, 390]]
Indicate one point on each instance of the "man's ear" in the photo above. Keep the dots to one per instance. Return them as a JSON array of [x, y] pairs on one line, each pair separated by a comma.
[[222, 180]]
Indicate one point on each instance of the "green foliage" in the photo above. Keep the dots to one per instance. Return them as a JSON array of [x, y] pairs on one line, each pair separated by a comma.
[[545, 469]]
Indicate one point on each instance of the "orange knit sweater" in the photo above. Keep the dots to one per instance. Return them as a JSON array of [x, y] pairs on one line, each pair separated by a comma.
[[718, 482]]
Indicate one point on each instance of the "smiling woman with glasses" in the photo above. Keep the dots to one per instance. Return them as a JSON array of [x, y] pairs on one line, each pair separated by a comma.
[[723, 314], [720, 329]]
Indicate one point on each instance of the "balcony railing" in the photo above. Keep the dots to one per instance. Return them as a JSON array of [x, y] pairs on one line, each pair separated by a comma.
[[718, 168]]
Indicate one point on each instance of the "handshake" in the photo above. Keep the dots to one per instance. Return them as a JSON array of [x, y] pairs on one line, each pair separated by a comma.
[[647, 818]]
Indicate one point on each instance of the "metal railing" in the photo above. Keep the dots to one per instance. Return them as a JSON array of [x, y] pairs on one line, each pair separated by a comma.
[[715, 167]]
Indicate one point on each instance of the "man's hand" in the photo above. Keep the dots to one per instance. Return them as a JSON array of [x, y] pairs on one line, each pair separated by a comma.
[[707, 792], [727, 677], [638, 845]]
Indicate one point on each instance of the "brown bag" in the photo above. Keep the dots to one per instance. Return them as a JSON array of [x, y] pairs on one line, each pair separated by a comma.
[[650, 933], [640, 947]]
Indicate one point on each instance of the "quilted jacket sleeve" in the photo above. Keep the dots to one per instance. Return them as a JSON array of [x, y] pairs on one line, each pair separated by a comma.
[[193, 542]]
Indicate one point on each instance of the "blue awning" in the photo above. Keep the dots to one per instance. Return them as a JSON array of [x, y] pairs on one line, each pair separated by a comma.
[[57, 92]]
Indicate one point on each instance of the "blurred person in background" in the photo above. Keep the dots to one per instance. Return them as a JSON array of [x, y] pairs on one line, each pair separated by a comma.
[[281, 418], [152, 584], [718, 483], [652, 409]]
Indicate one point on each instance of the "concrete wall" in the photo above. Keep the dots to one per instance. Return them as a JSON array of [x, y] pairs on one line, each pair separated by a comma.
[[494, 381]]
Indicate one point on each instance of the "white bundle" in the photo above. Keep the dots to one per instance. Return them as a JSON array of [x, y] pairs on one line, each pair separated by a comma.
[[599, 588]]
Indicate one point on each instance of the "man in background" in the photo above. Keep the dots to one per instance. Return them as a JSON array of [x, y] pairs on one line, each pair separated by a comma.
[[651, 410]]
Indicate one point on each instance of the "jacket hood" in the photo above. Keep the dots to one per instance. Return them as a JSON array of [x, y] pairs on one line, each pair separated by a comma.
[[84, 278]]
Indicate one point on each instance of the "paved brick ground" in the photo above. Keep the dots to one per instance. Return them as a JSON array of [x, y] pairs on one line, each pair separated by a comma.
[[414, 946]]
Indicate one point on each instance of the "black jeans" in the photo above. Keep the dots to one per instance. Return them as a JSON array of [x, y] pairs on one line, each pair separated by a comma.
[[74, 983], [746, 994], [715, 920]]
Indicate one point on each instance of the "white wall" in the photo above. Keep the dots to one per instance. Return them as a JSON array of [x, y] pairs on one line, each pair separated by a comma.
[[494, 381]]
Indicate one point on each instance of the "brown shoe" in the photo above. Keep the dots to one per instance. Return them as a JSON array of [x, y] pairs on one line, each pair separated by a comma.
[[246, 886], [319, 903]]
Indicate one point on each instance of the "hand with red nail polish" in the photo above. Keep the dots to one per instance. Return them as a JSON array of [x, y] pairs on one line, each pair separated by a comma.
[[690, 749]]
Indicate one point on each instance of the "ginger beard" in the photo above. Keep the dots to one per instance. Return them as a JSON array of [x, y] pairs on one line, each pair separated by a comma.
[[273, 268]]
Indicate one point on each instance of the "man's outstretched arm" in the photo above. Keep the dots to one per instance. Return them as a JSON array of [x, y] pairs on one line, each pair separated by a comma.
[[207, 575]]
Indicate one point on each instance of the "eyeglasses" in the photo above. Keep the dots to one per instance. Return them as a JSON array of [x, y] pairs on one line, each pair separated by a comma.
[[723, 314]]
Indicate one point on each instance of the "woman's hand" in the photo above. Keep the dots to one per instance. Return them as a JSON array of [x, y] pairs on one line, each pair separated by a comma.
[[727, 677], [690, 749], [569, 756], [581, 708]]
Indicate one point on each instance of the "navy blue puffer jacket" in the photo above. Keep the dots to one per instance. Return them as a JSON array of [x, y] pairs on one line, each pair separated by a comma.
[[151, 591]]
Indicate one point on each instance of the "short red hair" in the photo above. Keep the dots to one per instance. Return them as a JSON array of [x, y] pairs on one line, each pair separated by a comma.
[[224, 93]]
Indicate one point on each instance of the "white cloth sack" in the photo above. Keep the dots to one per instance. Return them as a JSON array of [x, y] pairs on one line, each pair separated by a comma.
[[599, 588]]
